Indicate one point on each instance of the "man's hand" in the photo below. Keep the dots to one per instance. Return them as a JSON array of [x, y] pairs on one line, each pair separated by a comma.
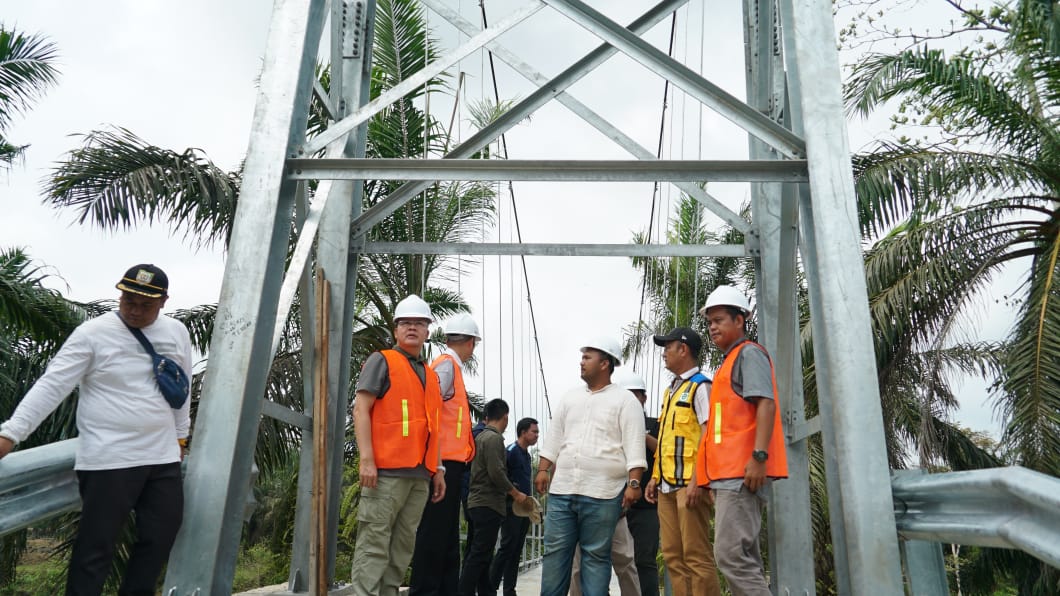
[[754, 475], [631, 496], [437, 487], [6, 445], [651, 491], [541, 481], [692, 495], [519, 497], [369, 474]]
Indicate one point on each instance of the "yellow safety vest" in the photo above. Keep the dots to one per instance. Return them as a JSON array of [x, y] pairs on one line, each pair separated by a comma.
[[679, 431]]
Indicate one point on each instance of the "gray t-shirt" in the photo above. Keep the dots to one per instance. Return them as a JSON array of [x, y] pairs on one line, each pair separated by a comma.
[[375, 379], [752, 376]]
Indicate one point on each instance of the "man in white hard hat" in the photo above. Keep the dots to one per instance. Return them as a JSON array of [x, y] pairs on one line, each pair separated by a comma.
[[595, 445], [684, 510], [643, 517], [436, 559], [742, 449], [395, 416]]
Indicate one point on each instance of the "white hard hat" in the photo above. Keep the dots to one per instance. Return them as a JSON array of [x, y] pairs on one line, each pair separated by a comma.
[[727, 296], [462, 324], [413, 307], [631, 381], [607, 345]]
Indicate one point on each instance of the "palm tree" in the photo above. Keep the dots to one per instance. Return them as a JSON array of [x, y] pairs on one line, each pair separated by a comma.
[[956, 212], [26, 71]]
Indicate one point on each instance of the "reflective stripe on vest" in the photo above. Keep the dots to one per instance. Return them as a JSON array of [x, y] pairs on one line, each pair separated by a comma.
[[455, 416], [679, 431], [732, 425], [405, 418]]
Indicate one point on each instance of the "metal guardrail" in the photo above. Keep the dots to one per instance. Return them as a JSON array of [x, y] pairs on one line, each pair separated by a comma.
[[1009, 507], [37, 484], [1001, 507]]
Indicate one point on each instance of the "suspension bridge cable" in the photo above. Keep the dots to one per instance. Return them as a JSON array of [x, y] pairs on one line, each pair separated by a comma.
[[515, 220], [648, 262]]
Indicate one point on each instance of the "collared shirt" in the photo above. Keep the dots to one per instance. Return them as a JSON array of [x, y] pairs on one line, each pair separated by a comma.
[[446, 375], [700, 403], [122, 419], [375, 375], [594, 439]]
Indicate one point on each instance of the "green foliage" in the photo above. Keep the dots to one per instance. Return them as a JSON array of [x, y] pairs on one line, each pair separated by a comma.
[[26, 69]]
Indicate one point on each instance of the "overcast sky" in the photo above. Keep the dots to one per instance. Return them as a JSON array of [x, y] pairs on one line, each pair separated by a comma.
[[182, 74]]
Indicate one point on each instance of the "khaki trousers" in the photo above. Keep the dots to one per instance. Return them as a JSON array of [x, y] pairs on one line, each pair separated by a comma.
[[685, 536], [387, 517]]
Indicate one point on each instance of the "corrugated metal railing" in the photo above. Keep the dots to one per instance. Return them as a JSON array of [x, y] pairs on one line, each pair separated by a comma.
[[36, 484], [1001, 507]]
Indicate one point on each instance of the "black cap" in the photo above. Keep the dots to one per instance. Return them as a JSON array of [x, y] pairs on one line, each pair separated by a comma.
[[684, 335], [145, 280]]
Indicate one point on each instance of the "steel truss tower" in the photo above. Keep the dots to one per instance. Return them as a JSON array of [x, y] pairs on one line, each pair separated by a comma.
[[803, 205]]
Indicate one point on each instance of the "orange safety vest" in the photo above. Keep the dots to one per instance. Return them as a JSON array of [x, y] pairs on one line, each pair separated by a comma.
[[726, 447], [405, 420], [457, 442]]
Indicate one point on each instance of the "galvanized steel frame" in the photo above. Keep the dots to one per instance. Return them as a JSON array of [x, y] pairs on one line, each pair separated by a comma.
[[251, 301]]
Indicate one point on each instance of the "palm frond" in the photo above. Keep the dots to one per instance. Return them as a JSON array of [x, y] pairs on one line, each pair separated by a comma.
[[1029, 397], [117, 180], [26, 70]]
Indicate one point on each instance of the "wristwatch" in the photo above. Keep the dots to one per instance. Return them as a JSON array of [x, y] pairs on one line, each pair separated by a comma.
[[634, 483], [759, 455]]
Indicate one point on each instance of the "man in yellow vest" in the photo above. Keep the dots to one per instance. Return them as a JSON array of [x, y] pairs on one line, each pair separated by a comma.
[[743, 447], [395, 418], [436, 560], [684, 509]]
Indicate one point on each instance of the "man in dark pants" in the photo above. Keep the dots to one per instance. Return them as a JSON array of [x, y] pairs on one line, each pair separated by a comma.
[[131, 439], [513, 531], [485, 501], [642, 517], [436, 558]]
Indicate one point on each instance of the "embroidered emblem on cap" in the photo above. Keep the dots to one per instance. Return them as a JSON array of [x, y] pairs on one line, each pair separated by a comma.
[[145, 277]]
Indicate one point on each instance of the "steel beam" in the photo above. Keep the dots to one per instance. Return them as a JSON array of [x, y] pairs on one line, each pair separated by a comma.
[[203, 559], [562, 170], [513, 116], [555, 250], [808, 251], [341, 128], [775, 215], [680, 75], [842, 333], [588, 115]]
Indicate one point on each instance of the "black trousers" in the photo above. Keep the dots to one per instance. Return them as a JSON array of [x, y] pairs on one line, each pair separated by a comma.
[[644, 526], [155, 494], [505, 564], [436, 558], [475, 577]]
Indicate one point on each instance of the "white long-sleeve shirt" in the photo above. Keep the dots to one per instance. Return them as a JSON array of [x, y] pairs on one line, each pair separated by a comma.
[[595, 438], [122, 419]]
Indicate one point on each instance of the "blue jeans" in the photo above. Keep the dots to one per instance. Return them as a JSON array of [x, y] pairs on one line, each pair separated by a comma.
[[572, 520]]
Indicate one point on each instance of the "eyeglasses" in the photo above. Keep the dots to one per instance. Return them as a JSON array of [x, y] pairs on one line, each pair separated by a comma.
[[413, 323]]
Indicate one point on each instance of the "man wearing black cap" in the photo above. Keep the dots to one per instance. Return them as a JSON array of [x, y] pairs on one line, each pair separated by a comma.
[[131, 438], [684, 508]]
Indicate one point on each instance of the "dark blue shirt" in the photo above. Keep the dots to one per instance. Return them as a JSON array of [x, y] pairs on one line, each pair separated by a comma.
[[519, 467]]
